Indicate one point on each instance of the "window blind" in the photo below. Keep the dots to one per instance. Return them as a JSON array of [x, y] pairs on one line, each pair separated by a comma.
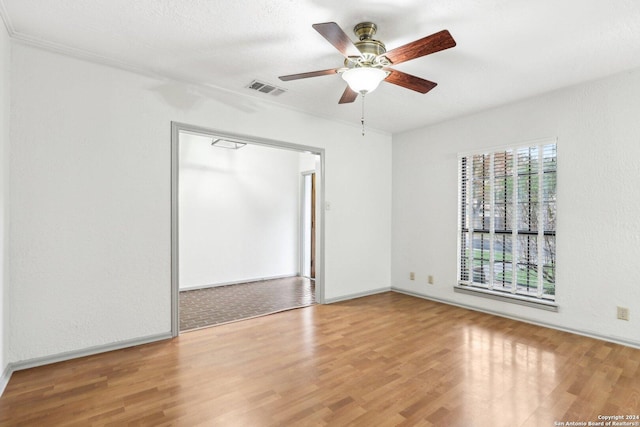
[[507, 214]]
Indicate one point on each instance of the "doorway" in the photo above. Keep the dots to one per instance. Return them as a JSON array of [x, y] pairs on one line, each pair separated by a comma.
[[235, 142]]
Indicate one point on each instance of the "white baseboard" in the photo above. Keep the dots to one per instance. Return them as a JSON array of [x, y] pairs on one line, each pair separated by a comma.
[[236, 282], [74, 354], [6, 376], [589, 334], [357, 295], [40, 361]]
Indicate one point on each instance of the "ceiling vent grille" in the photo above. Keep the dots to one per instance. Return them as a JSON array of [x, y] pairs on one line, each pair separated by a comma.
[[266, 88]]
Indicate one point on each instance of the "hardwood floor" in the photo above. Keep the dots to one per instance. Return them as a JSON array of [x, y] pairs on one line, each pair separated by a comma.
[[387, 359]]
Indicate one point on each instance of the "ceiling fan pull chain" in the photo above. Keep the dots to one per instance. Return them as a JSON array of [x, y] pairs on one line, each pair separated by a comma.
[[362, 119]]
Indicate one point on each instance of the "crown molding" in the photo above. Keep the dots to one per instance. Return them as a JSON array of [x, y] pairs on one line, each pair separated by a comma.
[[83, 54], [6, 20], [87, 55]]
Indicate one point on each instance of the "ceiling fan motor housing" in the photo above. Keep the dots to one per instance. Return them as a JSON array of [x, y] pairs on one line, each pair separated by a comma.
[[365, 30], [371, 49]]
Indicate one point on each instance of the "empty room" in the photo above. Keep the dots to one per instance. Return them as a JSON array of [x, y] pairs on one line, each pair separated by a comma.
[[475, 228]]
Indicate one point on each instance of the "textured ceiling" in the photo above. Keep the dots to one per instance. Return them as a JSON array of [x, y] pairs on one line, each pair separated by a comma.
[[507, 49]]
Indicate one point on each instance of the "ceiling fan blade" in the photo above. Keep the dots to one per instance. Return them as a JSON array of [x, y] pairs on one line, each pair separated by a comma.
[[408, 81], [425, 46], [338, 38], [348, 96], [309, 74]]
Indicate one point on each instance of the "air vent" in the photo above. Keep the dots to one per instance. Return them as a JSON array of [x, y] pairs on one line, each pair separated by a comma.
[[266, 88]]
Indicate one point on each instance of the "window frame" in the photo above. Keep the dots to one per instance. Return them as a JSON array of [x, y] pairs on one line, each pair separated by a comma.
[[540, 300]]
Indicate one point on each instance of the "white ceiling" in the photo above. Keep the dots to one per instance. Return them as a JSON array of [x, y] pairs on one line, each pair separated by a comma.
[[507, 49]]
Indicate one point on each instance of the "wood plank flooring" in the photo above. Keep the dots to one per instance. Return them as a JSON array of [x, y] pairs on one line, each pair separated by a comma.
[[383, 360]]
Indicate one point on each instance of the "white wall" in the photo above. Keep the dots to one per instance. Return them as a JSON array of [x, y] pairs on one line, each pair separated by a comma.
[[5, 59], [239, 213], [598, 242], [90, 209]]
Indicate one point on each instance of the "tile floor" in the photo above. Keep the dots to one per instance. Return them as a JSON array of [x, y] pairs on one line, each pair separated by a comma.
[[200, 308]]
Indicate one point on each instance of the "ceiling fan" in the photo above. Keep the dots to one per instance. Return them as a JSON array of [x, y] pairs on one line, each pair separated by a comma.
[[367, 62]]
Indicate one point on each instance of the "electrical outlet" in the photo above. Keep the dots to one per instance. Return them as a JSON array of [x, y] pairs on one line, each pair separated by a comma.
[[623, 313], [412, 276], [430, 280]]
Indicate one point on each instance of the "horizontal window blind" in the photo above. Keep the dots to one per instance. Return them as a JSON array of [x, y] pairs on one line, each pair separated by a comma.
[[507, 228]]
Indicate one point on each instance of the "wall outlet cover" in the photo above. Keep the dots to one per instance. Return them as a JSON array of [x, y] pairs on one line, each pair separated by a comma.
[[623, 313]]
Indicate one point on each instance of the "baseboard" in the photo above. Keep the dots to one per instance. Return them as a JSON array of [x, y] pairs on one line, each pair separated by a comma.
[[236, 282], [40, 361], [357, 295], [589, 334], [6, 376], [74, 354]]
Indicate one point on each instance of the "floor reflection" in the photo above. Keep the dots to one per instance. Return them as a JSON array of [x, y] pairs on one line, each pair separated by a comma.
[[504, 370]]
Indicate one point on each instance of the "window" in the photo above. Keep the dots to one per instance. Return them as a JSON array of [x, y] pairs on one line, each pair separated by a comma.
[[507, 228]]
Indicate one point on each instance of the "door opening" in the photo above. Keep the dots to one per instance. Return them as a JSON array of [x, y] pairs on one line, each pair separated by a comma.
[[310, 158]]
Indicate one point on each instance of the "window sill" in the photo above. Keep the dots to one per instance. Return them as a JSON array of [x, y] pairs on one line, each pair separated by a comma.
[[501, 296]]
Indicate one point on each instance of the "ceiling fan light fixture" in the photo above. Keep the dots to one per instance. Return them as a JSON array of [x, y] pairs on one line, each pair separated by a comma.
[[364, 79]]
